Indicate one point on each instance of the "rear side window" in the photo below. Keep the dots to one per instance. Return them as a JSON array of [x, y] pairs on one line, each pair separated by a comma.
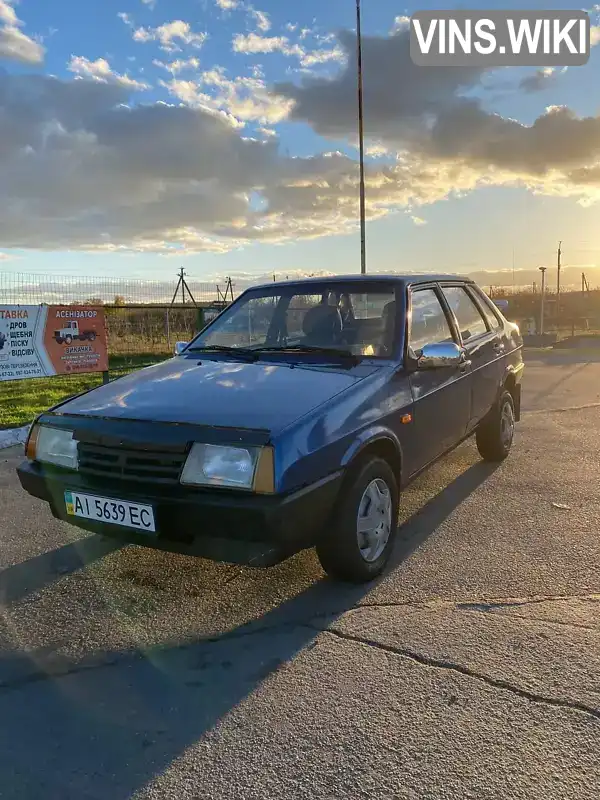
[[428, 324], [470, 319], [488, 309]]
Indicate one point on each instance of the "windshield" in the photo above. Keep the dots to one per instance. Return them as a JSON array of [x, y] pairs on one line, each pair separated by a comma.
[[355, 318]]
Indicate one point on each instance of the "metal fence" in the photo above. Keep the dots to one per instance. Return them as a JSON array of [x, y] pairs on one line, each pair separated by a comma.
[[149, 331], [144, 318], [19, 288]]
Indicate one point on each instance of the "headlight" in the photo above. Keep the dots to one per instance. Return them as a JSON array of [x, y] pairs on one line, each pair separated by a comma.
[[230, 467], [54, 446]]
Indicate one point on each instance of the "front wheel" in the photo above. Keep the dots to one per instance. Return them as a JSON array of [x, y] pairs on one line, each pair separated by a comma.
[[496, 432], [359, 543]]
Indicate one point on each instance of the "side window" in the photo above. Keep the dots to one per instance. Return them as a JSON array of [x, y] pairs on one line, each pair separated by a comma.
[[428, 324], [488, 311], [470, 320]]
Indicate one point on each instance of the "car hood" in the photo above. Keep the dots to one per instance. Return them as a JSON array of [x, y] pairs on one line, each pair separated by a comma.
[[216, 393]]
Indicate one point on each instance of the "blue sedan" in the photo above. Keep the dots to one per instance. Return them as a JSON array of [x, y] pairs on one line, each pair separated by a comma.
[[293, 420]]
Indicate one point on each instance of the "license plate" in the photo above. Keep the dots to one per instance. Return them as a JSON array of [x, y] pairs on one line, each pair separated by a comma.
[[107, 509]]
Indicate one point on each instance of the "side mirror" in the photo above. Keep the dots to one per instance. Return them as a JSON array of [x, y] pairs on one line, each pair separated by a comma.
[[180, 347], [435, 356]]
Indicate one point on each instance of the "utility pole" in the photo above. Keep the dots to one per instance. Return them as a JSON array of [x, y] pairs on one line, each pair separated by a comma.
[[558, 265], [361, 139], [543, 298]]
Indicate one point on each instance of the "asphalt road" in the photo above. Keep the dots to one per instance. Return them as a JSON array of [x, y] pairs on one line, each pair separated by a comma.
[[469, 671]]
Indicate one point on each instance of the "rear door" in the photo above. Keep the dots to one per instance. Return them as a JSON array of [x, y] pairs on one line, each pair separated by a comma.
[[483, 344], [442, 397]]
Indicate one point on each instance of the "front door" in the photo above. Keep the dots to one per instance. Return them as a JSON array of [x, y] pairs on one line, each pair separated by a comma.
[[442, 397]]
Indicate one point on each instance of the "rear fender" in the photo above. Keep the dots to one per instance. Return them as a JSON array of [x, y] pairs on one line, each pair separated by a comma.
[[512, 382]]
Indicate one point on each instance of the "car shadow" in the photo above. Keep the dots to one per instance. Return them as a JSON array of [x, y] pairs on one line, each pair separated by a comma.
[[30, 576], [103, 731]]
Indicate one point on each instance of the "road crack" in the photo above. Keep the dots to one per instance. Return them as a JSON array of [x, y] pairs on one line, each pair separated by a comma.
[[460, 669], [64, 671]]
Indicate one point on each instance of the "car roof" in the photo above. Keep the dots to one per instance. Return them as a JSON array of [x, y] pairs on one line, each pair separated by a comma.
[[404, 279]]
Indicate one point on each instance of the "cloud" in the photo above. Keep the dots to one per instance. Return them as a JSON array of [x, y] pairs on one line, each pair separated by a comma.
[[170, 34], [179, 65], [227, 5], [150, 3], [100, 70], [267, 132], [83, 166], [400, 23], [419, 221], [243, 98], [14, 44], [7, 14], [429, 114], [538, 81], [399, 96], [80, 168], [263, 23], [254, 43], [336, 54]]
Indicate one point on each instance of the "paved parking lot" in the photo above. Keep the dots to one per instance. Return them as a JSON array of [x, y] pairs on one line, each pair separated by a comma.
[[469, 671]]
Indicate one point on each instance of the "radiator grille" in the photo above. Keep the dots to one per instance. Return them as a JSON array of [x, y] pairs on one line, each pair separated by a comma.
[[131, 465]]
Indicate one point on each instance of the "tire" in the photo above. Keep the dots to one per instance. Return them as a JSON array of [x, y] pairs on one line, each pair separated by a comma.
[[340, 551], [496, 432], [67, 339]]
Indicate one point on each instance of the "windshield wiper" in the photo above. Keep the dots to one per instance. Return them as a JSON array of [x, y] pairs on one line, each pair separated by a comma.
[[240, 352], [309, 349]]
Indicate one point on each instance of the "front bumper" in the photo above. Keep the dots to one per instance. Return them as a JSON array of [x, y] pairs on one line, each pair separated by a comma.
[[219, 525]]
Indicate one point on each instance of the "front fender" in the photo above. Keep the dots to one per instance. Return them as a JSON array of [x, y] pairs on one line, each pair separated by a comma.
[[367, 437]]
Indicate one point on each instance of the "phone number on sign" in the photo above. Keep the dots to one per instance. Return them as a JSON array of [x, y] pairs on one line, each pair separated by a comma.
[[13, 372]]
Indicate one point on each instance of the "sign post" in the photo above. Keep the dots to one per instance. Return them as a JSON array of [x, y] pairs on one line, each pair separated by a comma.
[[42, 341]]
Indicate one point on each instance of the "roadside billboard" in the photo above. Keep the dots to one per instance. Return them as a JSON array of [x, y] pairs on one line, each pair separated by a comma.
[[41, 341]]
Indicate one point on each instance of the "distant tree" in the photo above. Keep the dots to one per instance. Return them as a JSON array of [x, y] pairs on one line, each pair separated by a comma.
[[119, 300], [94, 301]]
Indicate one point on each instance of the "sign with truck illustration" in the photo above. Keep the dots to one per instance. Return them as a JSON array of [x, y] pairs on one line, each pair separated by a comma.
[[42, 341], [72, 332]]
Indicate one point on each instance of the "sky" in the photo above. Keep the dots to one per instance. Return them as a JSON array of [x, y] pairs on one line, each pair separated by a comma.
[[138, 136]]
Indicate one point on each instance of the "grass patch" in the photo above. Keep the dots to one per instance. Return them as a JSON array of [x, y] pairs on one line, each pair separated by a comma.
[[21, 401]]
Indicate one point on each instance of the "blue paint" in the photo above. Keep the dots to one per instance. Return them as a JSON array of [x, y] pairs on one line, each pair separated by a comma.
[[318, 416]]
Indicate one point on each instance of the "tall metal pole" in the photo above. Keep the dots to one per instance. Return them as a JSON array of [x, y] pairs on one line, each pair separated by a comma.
[[543, 298], [361, 137], [558, 266]]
